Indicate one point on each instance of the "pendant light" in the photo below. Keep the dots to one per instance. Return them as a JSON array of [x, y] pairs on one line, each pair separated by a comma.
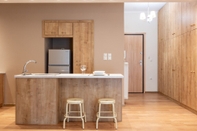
[[150, 15]]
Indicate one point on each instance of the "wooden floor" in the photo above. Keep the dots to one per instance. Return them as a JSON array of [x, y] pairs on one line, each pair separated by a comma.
[[142, 112]]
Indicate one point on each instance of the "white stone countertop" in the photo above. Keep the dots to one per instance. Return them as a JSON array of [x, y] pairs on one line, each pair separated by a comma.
[[57, 75]]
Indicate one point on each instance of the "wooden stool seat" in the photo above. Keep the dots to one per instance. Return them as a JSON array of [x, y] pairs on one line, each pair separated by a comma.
[[82, 115]]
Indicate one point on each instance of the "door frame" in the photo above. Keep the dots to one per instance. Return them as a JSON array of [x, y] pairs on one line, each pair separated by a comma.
[[143, 58]]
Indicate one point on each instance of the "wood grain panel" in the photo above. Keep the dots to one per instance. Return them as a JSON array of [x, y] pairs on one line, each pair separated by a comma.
[[83, 46], [193, 69], [50, 28], [1, 89], [178, 79], [37, 101], [189, 16], [134, 49], [177, 67], [174, 19], [90, 90], [65, 29]]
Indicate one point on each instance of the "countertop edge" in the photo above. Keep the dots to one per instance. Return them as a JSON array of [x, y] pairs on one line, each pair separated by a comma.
[[69, 76]]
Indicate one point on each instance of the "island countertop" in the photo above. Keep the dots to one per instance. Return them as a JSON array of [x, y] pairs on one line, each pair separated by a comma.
[[57, 75]]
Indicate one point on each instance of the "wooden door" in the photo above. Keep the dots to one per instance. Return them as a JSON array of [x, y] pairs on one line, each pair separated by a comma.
[[134, 57]]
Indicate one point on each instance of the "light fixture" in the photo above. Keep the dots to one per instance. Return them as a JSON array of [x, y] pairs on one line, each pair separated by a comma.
[[150, 15]]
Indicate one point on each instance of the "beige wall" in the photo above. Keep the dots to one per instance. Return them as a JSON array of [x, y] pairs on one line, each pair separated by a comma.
[[21, 36]]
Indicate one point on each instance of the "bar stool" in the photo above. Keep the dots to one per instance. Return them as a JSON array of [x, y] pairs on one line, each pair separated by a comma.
[[114, 115], [74, 101]]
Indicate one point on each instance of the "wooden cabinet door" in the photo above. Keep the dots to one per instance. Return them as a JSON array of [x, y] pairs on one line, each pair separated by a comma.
[[50, 28], [83, 48], [160, 65], [193, 70], [65, 29], [1, 90], [189, 16], [161, 26], [193, 24], [174, 19], [176, 70]]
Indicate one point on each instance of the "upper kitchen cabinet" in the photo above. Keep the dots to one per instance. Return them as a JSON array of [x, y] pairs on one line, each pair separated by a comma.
[[83, 47], [189, 16], [57, 29], [50, 28], [65, 29]]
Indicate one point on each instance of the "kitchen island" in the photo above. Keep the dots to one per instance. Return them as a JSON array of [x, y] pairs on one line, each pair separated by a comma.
[[41, 98]]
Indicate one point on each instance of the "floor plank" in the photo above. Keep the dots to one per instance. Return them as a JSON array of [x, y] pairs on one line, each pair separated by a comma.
[[142, 112]]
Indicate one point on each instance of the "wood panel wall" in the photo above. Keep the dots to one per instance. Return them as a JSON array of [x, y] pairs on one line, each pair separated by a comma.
[[177, 64]]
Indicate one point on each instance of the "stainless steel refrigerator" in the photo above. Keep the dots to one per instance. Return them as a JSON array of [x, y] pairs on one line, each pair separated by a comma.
[[58, 61]]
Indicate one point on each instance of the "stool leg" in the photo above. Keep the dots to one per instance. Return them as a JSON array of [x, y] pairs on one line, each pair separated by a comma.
[[114, 115], [64, 121], [97, 120], [83, 111], [116, 126], [98, 117], [67, 111], [81, 116]]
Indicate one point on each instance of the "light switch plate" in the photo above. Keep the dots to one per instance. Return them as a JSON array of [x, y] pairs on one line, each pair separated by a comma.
[[109, 56], [105, 56]]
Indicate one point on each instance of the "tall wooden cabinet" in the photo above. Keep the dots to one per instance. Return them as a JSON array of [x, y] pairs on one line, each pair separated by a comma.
[[177, 63], [82, 32], [82, 46], [1, 89]]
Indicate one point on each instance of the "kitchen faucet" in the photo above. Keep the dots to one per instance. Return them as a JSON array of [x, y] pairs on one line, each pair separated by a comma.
[[24, 68]]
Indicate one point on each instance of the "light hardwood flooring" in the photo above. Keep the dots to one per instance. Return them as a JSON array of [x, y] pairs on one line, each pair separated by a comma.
[[142, 112]]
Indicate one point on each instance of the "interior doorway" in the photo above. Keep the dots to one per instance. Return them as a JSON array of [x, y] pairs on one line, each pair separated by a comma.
[[134, 47]]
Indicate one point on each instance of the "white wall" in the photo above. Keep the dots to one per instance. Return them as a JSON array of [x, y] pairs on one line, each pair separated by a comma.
[[132, 24]]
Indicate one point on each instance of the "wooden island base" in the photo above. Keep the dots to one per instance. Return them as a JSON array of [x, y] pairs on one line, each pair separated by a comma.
[[43, 100]]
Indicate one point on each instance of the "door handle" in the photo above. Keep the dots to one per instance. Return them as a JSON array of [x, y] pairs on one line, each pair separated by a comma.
[[140, 62]]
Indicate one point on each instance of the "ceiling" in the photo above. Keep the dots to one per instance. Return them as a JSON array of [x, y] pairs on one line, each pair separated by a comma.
[[86, 1], [142, 6]]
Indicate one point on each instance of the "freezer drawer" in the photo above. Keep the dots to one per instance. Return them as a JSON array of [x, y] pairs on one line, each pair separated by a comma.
[[59, 57], [58, 69]]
